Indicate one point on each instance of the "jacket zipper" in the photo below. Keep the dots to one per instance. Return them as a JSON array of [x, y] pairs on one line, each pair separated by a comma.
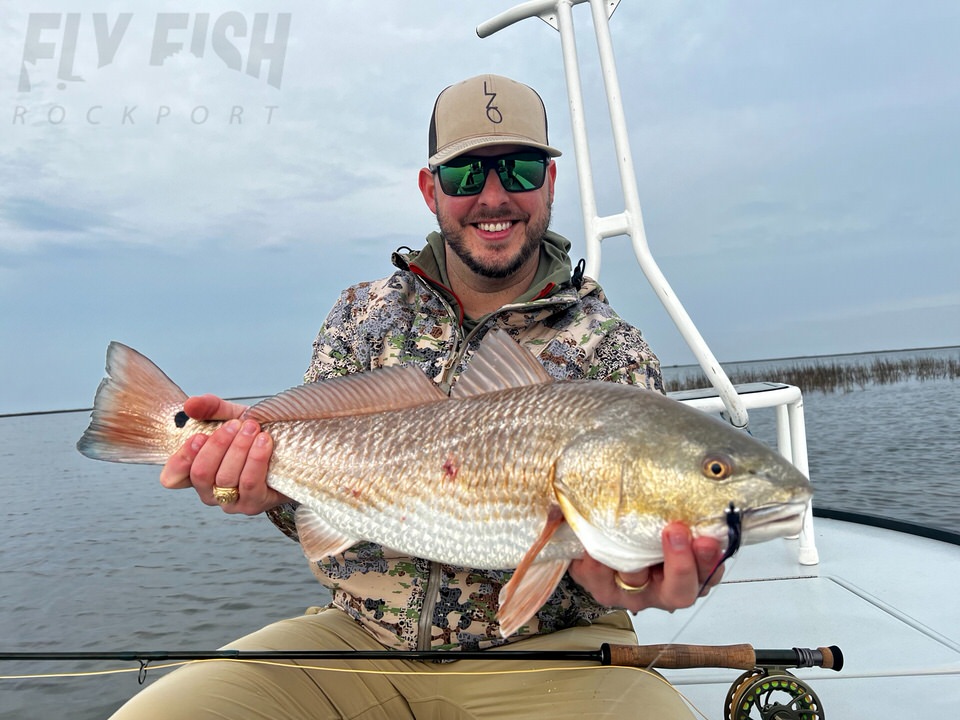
[[431, 593]]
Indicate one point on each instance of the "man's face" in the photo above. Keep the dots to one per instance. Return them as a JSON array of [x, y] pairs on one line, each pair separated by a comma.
[[494, 232]]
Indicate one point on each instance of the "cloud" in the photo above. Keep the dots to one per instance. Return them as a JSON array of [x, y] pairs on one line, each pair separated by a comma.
[[36, 215], [796, 163], [890, 305]]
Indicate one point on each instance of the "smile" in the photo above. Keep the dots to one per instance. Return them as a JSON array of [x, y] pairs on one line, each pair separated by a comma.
[[495, 226]]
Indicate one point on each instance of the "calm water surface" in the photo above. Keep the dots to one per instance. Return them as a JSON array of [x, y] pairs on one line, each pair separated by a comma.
[[888, 450], [96, 556]]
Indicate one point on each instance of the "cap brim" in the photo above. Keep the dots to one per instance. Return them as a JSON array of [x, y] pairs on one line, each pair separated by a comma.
[[459, 148]]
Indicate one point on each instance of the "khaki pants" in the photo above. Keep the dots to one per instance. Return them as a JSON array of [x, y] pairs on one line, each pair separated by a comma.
[[234, 690]]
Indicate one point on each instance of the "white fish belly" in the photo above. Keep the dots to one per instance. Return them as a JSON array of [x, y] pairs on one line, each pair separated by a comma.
[[483, 538]]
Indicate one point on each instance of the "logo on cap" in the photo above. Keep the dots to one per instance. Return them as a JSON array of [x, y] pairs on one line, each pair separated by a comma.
[[493, 112]]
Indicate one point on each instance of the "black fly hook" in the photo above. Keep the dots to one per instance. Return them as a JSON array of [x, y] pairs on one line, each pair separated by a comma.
[[734, 521]]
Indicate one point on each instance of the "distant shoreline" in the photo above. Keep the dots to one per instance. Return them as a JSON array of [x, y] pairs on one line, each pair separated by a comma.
[[824, 355], [813, 376], [688, 375]]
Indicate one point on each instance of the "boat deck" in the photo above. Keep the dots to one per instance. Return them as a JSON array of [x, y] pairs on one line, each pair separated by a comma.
[[896, 649]]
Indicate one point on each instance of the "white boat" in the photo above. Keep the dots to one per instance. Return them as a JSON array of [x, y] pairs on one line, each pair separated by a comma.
[[884, 592]]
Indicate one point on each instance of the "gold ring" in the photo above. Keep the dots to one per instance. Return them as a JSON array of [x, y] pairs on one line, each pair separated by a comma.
[[225, 495], [626, 587]]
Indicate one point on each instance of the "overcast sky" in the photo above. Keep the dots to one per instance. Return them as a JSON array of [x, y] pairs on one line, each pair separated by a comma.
[[798, 165]]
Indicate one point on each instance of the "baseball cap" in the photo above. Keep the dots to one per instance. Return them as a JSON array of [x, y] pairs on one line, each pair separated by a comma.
[[486, 110]]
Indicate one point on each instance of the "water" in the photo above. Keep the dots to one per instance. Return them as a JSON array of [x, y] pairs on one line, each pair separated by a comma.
[[96, 556], [888, 450]]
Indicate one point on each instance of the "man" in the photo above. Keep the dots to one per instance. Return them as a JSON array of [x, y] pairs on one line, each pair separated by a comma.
[[490, 183]]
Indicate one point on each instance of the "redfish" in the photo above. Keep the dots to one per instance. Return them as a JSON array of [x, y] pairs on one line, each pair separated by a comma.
[[512, 470]]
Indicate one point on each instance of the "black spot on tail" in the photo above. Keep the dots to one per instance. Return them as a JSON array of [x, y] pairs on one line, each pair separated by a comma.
[[181, 419]]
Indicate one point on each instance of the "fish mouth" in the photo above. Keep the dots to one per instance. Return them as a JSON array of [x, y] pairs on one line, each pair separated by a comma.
[[772, 521]]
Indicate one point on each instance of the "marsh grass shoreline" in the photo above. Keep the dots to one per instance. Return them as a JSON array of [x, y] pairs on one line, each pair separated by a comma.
[[830, 377]]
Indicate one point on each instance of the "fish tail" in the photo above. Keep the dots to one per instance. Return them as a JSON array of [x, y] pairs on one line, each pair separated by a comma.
[[137, 412]]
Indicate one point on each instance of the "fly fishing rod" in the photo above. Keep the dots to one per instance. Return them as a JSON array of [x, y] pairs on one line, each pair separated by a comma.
[[666, 656], [765, 686]]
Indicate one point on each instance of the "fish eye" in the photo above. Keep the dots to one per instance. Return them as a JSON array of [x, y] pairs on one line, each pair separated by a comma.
[[717, 467]]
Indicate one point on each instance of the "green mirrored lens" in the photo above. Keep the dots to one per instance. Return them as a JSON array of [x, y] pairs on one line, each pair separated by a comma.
[[463, 176], [518, 172]]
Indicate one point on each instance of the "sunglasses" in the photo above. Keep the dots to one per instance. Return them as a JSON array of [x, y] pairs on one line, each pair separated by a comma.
[[518, 172]]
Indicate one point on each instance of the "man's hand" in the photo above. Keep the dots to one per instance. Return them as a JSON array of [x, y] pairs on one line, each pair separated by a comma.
[[674, 584], [236, 455]]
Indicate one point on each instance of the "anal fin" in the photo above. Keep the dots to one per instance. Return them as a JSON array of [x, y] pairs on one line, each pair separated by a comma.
[[523, 596], [317, 539]]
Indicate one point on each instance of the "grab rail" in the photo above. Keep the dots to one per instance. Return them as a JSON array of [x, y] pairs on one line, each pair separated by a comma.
[[559, 14], [792, 441]]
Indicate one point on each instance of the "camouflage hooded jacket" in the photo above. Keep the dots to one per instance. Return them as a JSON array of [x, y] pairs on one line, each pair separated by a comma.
[[412, 317]]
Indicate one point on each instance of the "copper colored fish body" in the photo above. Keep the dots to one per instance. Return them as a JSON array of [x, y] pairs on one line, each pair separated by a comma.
[[513, 470]]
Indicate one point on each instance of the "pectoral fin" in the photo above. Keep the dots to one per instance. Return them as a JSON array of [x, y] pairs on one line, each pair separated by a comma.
[[317, 538], [533, 582]]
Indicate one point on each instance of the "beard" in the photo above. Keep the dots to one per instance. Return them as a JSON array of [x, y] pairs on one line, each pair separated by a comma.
[[453, 235]]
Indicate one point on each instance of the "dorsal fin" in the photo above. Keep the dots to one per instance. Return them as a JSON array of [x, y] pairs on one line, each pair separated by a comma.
[[498, 364], [393, 388]]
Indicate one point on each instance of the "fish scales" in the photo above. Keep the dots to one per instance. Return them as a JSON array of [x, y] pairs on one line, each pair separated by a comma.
[[468, 479]]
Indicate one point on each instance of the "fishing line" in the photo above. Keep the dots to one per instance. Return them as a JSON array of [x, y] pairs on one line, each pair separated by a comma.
[[734, 518], [353, 671], [734, 522]]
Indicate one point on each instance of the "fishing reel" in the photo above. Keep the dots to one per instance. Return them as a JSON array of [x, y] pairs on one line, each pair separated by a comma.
[[771, 694], [766, 691]]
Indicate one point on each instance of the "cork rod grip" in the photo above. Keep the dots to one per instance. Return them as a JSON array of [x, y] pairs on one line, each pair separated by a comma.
[[741, 657]]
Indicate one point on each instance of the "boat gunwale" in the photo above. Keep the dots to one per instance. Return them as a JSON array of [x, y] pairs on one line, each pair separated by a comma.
[[886, 523]]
